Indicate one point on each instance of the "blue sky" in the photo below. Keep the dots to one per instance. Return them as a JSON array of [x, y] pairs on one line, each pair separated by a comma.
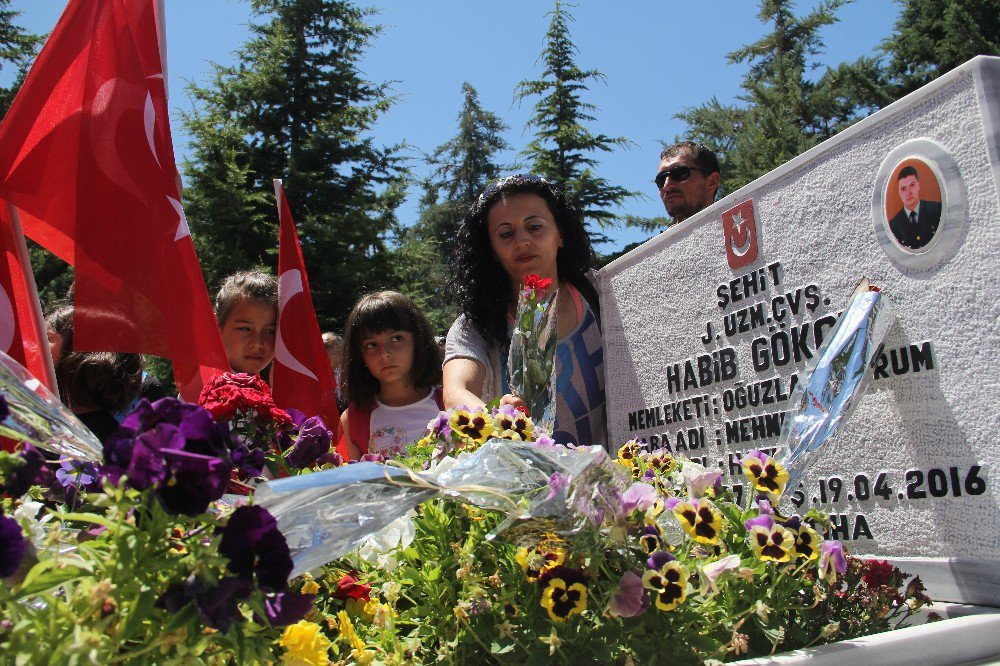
[[658, 59]]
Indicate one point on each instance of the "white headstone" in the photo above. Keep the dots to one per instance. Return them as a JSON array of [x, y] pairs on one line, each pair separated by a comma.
[[708, 325]]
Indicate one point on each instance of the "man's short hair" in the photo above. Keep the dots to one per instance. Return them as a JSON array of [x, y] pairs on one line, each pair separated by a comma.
[[906, 171], [703, 155]]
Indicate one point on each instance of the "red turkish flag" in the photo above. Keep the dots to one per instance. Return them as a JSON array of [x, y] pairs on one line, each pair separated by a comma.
[[22, 329], [87, 159], [301, 377]]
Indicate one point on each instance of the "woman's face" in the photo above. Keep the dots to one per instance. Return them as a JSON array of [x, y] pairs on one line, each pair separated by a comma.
[[248, 336], [524, 236]]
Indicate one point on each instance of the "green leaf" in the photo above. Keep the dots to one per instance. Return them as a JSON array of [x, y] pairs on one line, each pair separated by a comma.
[[46, 575], [139, 610]]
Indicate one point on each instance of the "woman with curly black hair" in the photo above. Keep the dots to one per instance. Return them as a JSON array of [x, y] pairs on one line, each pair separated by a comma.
[[521, 225]]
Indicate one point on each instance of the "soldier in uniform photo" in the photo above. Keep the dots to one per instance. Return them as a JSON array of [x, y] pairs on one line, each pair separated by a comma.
[[917, 220]]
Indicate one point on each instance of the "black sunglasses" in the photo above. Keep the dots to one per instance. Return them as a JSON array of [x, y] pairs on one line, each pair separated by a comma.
[[678, 174]]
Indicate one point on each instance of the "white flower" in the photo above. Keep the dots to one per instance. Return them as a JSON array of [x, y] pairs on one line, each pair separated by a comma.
[[27, 516], [710, 572], [697, 479], [377, 548]]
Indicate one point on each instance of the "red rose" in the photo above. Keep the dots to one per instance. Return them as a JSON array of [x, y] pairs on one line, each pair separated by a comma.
[[348, 587], [532, 281]]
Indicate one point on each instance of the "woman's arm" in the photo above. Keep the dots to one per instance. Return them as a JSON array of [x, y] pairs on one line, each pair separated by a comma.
[[463, 382]]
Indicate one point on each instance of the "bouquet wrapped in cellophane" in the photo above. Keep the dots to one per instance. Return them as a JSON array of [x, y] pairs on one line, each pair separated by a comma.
[[531, 361]]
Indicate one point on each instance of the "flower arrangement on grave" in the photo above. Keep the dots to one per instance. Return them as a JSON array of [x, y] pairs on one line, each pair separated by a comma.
[[283, 442], [138, 559], [645, 557]]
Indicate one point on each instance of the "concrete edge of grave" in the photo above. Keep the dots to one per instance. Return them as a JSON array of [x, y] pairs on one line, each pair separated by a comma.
[[987, 87], [955, 579], [968, 639]]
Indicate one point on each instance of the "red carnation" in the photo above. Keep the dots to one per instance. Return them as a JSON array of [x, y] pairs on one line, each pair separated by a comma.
[[349, 587], [532, 281], [877, 573], [230, 392]]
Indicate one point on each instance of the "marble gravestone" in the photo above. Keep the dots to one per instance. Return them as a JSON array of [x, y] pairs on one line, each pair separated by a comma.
[[709, 326]]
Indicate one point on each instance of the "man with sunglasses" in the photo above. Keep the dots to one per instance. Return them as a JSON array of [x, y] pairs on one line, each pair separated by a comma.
[[688, 179]]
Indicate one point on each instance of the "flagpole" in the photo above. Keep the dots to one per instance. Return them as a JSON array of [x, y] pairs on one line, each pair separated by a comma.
[[36, 307]]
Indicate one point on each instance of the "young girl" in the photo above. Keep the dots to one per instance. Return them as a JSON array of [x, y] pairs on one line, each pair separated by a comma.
[[246, 308], [391, 368]]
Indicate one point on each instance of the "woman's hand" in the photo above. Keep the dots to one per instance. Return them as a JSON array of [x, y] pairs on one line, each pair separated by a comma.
[[514, 401]]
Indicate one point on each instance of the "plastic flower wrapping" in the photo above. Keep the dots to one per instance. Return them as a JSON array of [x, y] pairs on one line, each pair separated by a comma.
[[485, 542], [836, 379], [531, 359]]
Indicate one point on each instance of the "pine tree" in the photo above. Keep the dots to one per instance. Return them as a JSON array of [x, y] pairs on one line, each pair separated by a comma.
[[18, 49], [296, 107], [783, 112], [563, 148], [932, 38], [462, 168]]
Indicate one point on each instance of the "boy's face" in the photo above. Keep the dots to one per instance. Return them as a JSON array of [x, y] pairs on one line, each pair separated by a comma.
[[248, 336]]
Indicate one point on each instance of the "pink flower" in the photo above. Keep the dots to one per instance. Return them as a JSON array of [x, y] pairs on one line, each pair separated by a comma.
[[557, 482], [630, 599], [711, 572], [832, 561], [639, 496], [697, 479]]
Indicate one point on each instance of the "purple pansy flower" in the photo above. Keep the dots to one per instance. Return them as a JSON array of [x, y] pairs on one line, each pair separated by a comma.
[[284, 608], [12, 546], [193, 482], [630, 599], [175, 448], [657, 560], [766, 521], [248, 460], [219, 606], [312, 442], [256, 548], [285, 437], [440, 425], [764, 506], [31, 472], [543, 438], [76, 473]]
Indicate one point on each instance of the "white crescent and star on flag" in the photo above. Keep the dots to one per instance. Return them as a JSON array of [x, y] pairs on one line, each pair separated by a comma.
[[289, 285]]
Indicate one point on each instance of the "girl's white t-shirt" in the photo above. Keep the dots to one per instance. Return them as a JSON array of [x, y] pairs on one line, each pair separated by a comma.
[[393, 428]]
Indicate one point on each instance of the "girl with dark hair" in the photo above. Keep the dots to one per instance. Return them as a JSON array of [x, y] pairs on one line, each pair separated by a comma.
[[100, 388], [391, 367], [521, 225], [246, 308]]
